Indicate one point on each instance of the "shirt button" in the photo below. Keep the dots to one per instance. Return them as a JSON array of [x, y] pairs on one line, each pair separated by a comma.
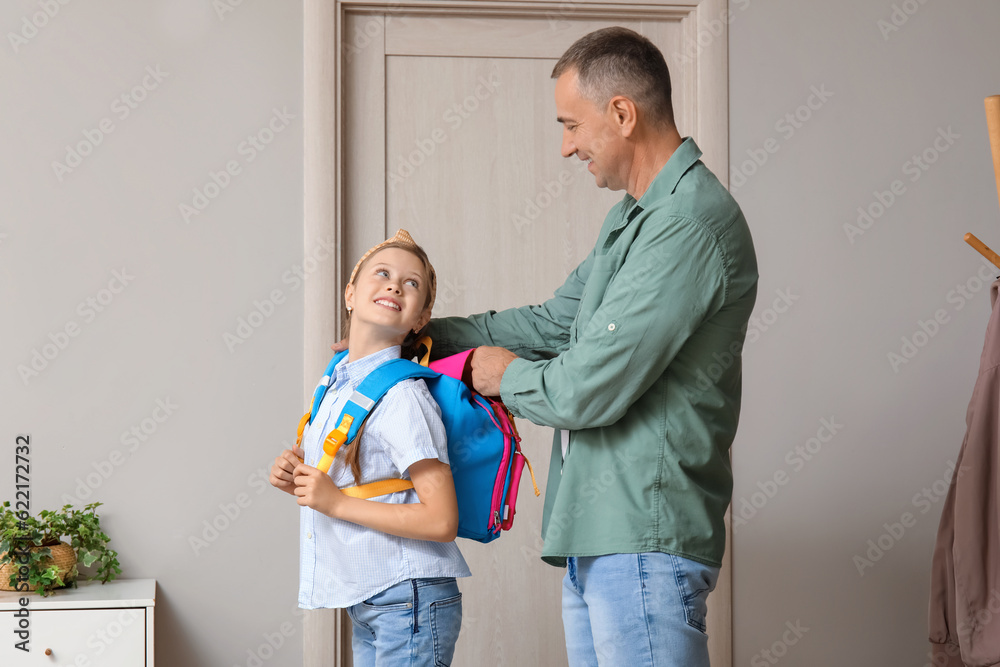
[[611, 327], [309, 536]]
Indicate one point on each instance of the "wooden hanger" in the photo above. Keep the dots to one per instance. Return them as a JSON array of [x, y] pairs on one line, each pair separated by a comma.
[[993, 126], [983, 249]]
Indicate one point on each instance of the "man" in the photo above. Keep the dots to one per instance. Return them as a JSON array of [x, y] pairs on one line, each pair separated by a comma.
[[636, 360]]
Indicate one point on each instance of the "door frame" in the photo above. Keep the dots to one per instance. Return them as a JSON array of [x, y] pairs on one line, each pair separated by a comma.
[[327, 633]]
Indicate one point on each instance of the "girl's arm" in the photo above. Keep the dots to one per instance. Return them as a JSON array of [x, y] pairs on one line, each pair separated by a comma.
[[434, 518]]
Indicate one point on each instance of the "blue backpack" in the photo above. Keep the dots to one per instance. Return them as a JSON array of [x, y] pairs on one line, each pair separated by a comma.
[[484, 448]]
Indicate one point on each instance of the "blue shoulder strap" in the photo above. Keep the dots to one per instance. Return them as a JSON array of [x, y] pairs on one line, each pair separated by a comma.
[[375, 385], [324, 383]]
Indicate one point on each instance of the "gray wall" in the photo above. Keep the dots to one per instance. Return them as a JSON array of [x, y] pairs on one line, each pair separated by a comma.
[[830, 310], [156, 334], [826, 356]]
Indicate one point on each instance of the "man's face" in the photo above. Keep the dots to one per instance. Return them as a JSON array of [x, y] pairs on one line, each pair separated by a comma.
[[591, 134]]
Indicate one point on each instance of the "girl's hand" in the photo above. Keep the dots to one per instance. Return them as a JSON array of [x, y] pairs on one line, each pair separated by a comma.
[[316, 489], [283, 470]]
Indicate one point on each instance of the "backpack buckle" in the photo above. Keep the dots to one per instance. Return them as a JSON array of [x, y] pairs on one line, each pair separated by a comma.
[[334, 441]]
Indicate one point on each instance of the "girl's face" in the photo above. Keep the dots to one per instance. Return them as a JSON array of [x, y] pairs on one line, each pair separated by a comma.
[[390, 293]]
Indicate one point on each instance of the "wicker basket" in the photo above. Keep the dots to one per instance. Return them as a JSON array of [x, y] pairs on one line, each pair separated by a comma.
[[63, 556]]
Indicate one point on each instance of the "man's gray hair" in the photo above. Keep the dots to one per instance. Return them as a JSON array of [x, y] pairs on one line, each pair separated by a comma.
[[617, 61]]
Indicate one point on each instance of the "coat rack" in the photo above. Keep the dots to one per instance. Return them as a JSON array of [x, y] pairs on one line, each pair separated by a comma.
[[993, 125]]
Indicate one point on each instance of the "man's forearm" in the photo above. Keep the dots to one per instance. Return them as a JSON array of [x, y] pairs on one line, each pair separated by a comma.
[[519, 330], [532, 332]]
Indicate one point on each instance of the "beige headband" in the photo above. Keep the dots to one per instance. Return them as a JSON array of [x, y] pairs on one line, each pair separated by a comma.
[[403, 238]]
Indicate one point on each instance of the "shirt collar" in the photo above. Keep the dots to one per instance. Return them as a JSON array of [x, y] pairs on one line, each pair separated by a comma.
[[355, 371], [665, 182]]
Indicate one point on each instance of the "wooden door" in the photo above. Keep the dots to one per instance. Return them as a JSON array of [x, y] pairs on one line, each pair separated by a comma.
[[446, 127]]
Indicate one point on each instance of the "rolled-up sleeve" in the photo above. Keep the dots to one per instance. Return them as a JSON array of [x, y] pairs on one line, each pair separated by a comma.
[[672, 280]]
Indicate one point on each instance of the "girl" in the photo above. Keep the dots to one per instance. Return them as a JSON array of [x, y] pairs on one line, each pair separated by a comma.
[[390, 561]]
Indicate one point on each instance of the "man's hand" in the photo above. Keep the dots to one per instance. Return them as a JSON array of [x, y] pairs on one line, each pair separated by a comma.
[[316, 489], [488, 366]]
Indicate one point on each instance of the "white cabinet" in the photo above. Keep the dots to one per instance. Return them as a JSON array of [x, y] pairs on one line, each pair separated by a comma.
[[94, 625]]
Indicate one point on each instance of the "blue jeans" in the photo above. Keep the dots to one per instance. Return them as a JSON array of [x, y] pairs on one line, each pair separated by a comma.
[[415, 622], [639, 610]]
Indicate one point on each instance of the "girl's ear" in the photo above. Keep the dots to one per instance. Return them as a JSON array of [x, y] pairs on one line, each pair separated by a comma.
[[349, 297], [425, 317]]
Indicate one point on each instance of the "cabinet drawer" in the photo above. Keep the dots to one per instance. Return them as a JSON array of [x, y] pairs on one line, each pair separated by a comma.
[[79, 638]]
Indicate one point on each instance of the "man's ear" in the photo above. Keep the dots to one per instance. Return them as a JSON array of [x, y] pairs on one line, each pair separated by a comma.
[[624, 114]]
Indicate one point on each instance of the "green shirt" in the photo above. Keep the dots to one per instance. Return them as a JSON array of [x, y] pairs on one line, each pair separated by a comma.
[[638, 357]]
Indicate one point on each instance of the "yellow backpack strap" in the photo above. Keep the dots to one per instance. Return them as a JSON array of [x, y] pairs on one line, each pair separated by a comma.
[[426, 343], [334, 441], [532, 472], [374, 489], [302, 427]]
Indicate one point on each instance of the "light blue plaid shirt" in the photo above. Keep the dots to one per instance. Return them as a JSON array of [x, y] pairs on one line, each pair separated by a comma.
[[343, 563]]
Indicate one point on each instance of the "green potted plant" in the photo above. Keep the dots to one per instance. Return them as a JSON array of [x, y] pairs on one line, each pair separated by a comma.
[[34, 557]]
